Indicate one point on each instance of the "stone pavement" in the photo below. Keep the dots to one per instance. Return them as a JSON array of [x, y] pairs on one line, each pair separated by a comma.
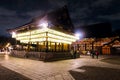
[[57, 70]]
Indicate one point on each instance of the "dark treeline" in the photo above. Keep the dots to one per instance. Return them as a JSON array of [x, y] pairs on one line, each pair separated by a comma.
[[4, 40]]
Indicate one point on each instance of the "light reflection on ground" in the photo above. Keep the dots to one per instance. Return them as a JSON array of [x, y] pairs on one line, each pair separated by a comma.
[[39, 68], [6, 56]]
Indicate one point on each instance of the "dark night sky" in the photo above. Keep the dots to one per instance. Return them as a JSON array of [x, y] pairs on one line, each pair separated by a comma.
[[14, 13]]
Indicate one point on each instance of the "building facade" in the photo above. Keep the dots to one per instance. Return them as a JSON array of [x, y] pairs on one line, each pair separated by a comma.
[[51, 32], [45, 35], [43, 39], [108, 45]]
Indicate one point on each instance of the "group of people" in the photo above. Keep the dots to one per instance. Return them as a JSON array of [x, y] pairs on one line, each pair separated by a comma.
[[94, 53], [75, 54]]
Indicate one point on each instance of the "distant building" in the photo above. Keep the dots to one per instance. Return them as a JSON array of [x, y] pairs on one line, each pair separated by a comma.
[[95, 37], [108, 45], [113, 47]]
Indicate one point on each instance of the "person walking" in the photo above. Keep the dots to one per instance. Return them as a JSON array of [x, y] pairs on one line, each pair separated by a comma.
[[74, 54], [78, 53], [92, 54], [97, 54]]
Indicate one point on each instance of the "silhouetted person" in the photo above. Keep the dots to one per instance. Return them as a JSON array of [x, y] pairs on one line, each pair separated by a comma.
[[78, 53], [92, 54], [97, 54], [74, 54]]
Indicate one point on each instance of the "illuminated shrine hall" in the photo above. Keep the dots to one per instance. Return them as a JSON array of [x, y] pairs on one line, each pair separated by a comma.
[[45, 39], [52, 32]]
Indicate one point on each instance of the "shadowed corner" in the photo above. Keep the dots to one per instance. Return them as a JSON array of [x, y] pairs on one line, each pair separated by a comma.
[[95, 73], [112, 60], [7, 74]]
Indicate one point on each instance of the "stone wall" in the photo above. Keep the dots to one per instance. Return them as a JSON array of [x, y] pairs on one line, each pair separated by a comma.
[[41, 55]]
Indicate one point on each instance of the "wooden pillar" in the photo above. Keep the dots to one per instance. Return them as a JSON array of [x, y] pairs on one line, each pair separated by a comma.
[[62, 47], [46, 41], [21, 46], [37, 46], [92, 46], [44, 46], [59, 47], [77, 46], [55, 46], [85, 46], [50, 49], [29, 43], [28, 46], [68, 47]]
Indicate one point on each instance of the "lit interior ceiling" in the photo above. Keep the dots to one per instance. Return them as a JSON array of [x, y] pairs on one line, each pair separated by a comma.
[[40, 35]]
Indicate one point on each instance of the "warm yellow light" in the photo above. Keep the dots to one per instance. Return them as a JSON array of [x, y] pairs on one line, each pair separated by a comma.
[[61, 34], [40, 35], [13, 35], [43, 25], [8, 44], [57, 40], [60, 37]]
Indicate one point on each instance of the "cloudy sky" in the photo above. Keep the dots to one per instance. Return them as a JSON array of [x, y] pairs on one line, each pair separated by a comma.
[[14, 13]]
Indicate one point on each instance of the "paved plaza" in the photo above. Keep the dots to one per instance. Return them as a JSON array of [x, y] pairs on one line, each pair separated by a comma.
[[57, 70]]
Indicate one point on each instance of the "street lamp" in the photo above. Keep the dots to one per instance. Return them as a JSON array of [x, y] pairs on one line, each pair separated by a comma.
[[43, 24], [13, 34], [78, 35]]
